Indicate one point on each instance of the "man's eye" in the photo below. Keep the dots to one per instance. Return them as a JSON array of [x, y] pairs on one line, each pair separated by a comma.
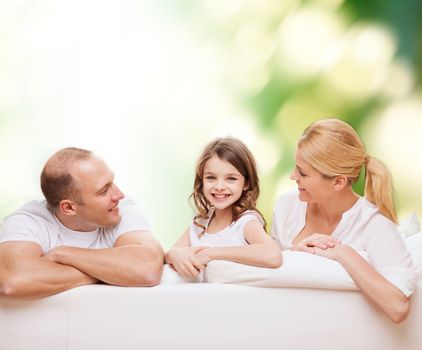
[[104, 191]]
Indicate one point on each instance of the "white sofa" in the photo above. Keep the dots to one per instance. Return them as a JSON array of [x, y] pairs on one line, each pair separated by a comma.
[[205, 316], [315, 306]]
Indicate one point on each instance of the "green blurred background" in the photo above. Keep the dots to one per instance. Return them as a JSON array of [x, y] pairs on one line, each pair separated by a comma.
[[146, 84]]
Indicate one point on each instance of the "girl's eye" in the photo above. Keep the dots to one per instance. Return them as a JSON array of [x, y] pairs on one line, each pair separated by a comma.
[[209, 177], [232, 179], [302, 174]]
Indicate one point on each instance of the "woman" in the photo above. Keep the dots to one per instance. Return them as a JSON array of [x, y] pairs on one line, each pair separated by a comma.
[[325, 217]]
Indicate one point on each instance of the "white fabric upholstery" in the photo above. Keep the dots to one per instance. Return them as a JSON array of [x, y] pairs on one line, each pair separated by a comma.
[[204, 316]]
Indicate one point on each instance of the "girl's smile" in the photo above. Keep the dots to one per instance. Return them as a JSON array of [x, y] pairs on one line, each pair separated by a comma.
[[223, 183]]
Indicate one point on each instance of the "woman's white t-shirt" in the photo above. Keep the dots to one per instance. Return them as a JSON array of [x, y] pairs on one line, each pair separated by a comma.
[[362, 227]]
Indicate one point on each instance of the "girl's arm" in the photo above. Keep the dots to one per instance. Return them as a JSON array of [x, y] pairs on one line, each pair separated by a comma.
[[261, 251], [380, 292], [182, 257]]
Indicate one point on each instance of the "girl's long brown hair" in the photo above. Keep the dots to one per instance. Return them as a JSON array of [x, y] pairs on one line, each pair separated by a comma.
[[235, 152]]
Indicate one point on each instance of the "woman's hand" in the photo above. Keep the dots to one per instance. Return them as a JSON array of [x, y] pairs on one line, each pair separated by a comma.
[[334, 253], [185, 261], [316, 240]]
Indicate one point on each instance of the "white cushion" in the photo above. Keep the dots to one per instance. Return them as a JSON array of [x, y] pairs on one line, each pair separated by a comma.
[[409, 226], [414, 246], [410, 230], [299, 269]]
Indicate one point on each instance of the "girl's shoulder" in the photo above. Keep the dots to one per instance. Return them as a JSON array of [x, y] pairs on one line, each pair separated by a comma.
[[247, 216]]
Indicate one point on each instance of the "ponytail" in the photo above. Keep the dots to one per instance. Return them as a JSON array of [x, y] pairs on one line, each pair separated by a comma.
[[379, 188]]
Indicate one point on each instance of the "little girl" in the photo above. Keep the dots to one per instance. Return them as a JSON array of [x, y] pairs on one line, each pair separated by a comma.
[[228, 226]]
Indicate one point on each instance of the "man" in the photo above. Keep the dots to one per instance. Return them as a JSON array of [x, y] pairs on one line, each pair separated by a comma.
[[85, 232]]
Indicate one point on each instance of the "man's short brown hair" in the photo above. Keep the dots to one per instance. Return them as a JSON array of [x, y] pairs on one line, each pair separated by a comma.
[[57, 182]]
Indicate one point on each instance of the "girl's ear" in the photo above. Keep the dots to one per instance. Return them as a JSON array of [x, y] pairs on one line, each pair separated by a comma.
[[340, 182], [246, 186]]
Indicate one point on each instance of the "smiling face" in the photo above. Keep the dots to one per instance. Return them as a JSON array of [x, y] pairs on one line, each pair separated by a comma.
[[312, 185], [99, 195], [223, 184]]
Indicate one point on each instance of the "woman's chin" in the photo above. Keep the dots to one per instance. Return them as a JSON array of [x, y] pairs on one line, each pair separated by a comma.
[[303, 196]]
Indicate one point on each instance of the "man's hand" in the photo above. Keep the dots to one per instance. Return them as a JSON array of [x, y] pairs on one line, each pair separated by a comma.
[[54, 254]]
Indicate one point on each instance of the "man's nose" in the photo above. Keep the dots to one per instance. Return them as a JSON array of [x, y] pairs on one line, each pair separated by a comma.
[[117, 194]]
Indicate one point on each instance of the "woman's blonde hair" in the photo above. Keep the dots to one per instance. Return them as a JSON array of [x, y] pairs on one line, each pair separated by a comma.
[[235, 152], [334, 148]]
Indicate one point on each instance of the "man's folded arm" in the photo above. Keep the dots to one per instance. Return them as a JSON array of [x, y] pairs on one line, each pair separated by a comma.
[[135, 260], [24, 272]]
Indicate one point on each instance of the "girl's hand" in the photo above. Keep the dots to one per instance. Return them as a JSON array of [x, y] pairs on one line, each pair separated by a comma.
[[316, 240], [203, 256], [184, 260]]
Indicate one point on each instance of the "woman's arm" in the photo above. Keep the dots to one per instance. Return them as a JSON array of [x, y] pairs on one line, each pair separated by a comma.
[[261, 251], [182, 257], [379, 291]]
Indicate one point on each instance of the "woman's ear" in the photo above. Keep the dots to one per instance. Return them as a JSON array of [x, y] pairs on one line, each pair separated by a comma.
[[340, 182], [67, 207]]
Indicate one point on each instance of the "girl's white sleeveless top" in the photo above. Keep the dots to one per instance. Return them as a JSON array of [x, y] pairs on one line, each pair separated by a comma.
[[230, 236]]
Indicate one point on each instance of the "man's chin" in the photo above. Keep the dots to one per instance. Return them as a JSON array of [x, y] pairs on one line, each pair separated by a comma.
[[113, 221]]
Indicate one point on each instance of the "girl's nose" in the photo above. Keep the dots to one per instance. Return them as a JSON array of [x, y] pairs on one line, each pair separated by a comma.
[[219, 185]]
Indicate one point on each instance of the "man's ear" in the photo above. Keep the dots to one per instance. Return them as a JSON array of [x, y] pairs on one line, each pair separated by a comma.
[[340, 182], [67, 207]]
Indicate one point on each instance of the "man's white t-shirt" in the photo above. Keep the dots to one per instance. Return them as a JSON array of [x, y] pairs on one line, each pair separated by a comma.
[[34, 222], [362, 227]]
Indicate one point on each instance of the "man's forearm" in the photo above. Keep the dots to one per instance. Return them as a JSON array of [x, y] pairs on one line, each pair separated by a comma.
[[39, 278], [129, 265]]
